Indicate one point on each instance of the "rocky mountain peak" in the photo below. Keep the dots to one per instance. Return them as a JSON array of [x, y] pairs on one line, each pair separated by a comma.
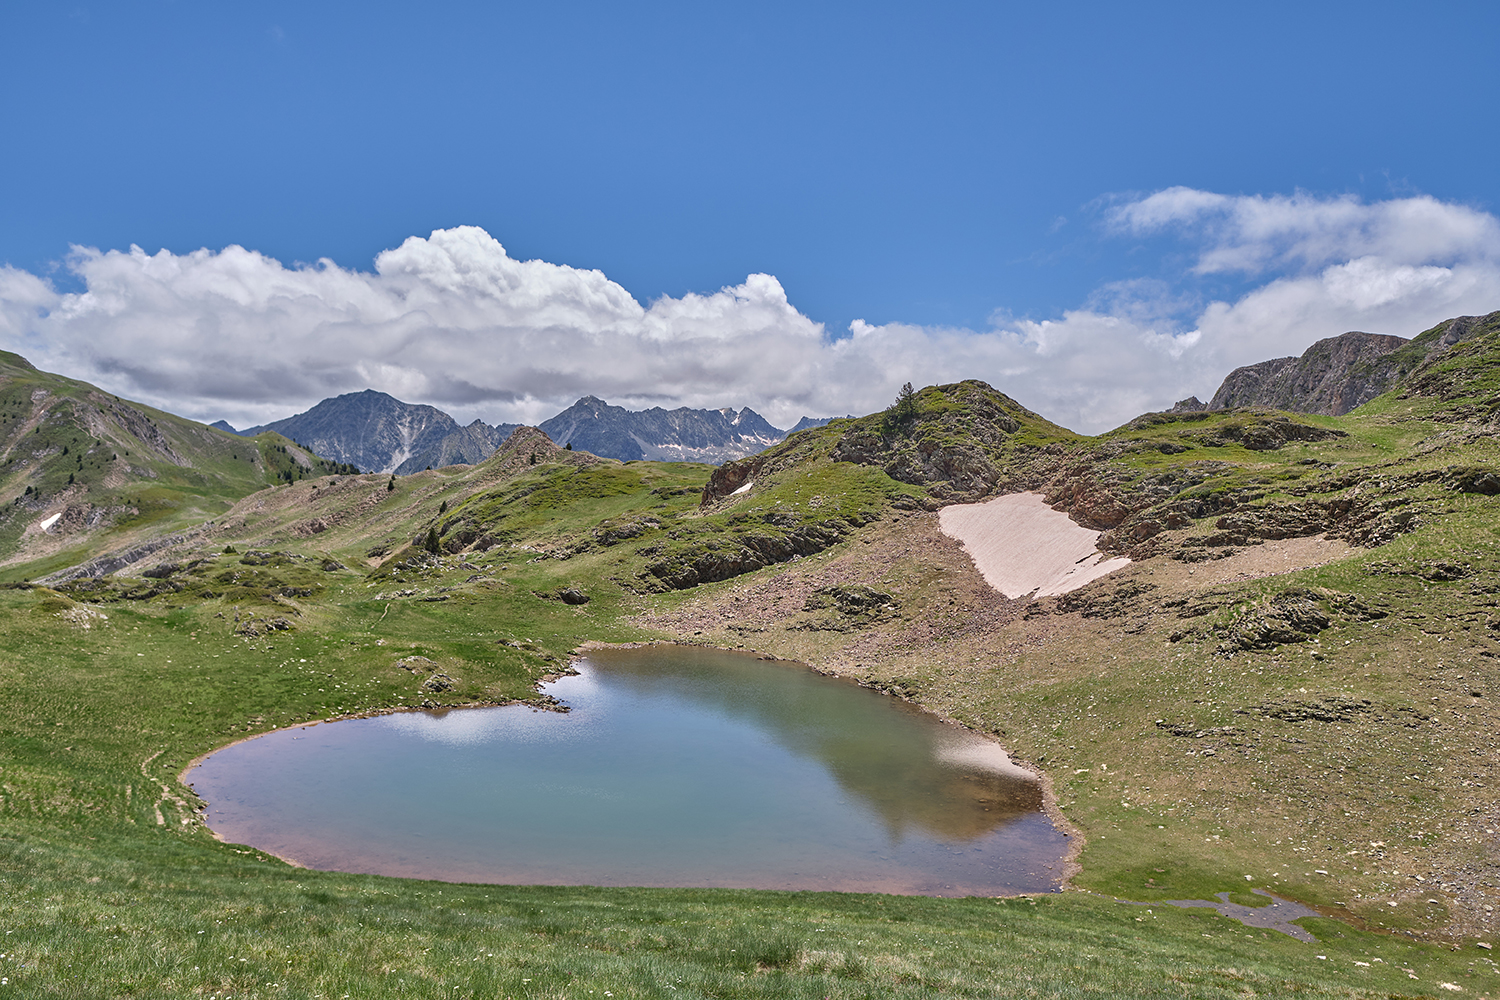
[[1338, 374], [372, 430], [683, 434], [1331, 377]]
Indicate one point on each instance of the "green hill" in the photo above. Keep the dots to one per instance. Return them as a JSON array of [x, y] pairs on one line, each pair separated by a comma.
[[1291, 687], [113, 471]]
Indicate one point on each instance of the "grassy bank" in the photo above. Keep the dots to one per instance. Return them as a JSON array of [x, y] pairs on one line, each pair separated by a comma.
[[99, 911], [103, 898], [1312, 715]]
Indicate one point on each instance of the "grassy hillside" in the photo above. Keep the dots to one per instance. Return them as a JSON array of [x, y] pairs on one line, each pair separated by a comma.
[[1290, 688], [114, 471]]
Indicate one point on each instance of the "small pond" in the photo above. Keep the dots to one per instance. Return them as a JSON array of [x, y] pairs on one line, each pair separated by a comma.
[[676, 766]]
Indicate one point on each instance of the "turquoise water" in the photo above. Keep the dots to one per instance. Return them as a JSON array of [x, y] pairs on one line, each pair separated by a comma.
[[676, 766]]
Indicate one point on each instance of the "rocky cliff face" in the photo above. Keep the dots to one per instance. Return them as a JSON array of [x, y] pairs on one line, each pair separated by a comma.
[[371, 430], [1332, 377], [466, 446], [1341, 373], [680, 435]]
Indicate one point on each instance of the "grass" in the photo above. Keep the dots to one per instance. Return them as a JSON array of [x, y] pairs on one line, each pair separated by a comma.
[[105, 913], [115, 470], [111, 688]]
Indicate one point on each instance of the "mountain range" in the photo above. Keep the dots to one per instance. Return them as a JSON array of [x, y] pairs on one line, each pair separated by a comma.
[[1284, 684], [377, 432]]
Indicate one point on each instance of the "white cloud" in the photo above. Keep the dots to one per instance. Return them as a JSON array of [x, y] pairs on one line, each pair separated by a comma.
[[1254, 233], [453, 320]]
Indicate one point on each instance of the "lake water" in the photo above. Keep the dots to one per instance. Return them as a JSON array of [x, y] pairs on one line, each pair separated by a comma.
[[676, 766]]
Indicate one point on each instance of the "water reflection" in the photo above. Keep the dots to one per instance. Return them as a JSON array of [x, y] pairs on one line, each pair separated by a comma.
[[910, 770], [675, 767]]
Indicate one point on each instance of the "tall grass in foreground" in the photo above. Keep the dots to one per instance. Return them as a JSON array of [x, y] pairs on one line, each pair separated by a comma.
[[158, 915]]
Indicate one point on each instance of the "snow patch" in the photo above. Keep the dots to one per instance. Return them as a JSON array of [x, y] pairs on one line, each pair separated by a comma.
[[47, 522], [1021, 546]]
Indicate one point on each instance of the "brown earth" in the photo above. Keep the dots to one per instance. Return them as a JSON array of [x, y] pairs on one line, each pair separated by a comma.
[[1135, 698]]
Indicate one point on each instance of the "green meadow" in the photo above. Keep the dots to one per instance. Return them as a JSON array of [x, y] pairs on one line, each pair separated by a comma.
[[1184, 748]]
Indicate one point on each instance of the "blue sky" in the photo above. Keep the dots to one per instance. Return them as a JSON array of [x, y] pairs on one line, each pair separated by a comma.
[[943, 173]]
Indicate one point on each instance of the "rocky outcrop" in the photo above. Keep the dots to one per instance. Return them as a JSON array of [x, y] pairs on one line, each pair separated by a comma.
[[730, 477], [1331, 377], [1262, 432], [732, 555], [1341, 373], [113, 563], [1462, 372], [955, 446], [1291, 616]]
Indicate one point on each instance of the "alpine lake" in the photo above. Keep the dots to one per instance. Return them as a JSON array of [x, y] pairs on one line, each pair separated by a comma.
[[674, 766]]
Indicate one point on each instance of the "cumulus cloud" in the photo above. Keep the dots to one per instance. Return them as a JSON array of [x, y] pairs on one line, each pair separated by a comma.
[[1253, 234], [1327, 265], [451, 319]]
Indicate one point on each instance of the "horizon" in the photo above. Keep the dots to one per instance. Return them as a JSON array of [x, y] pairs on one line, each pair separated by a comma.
[[233, 214], [729, 409]]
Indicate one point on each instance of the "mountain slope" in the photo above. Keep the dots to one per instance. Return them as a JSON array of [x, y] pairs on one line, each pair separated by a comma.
[[680, 435], [1342, 373], [81, 469], [963, 441], [1452, 375], [466, 446], [371, 430]]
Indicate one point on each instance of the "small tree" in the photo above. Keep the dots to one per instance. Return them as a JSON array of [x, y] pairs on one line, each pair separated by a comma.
[[906, 403], [443, 507], [434, 544], [391, 485], [902, 411]]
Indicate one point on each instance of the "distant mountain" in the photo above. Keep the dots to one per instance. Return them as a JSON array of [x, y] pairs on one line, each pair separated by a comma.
[[466, 446], [374, 431], [680, 435], [1340, 373], [379, 433], [807, 422], [223, 425]]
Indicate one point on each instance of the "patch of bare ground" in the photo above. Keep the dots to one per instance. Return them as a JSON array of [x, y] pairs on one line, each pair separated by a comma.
[[1348, 767]]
